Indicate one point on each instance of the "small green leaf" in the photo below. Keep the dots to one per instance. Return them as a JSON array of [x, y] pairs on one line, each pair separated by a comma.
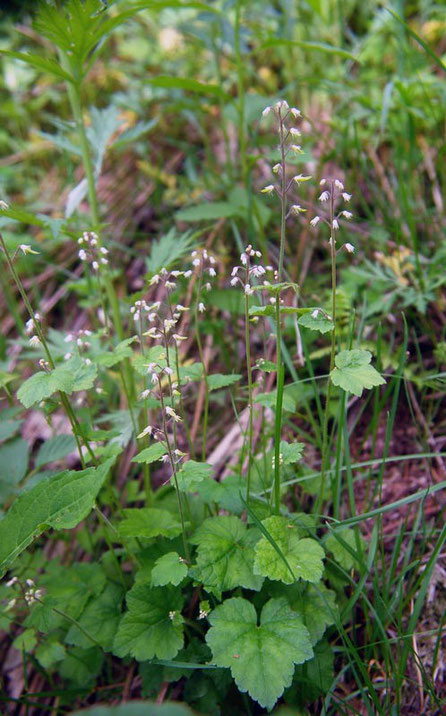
[[50, 653], [353, 372], [291, 452], [39, 63], [316, 320], [304, 556], [153, 625], [344, 554], [75, 374], [218, 380], [207, 212], [149, 522], [26, 641], [81, 666], [266, 365], [151, 454], [169, 569], [191, 474], [261, 656], [225, 554], [120, 353], [60, 501], [55, 449]]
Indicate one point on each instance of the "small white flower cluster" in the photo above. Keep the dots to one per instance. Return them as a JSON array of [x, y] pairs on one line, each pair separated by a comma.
[[250, 270], [168, 278], [287, 136], [335, 191], [78, 339], [29, 591], [206, 262], [90, 252], [163, 325], [30, 327]]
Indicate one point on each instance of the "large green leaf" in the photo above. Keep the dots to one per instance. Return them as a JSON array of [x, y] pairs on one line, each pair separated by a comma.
[[149, 522], [261, 656], [60, 501], [303, 556], [100, 619], [225, 554], [191, 474], [153, 625], [55, 449], [353, 372], [75, 374]]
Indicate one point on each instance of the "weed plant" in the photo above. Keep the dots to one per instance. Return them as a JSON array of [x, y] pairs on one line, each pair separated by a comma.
[[147, 553]]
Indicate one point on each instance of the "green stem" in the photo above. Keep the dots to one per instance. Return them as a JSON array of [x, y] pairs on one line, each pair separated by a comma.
[[205, 373], [325, 456], [250, 400], [279, 364], [77, 431], [240, 93]]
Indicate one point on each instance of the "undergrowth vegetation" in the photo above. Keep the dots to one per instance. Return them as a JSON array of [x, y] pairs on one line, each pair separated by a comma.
[[222, 358]]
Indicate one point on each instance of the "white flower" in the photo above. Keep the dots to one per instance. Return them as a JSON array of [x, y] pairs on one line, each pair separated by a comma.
[[208, 286], [235, 271], [324, 196], [172, 615], [257, 271], [315, 221], [29, 326], [335, 224], [154, 378], [339, 185], [315, 313], [300, 177], [248, 289], [244, 258], [196, 262], [147, 431], [295, 112], [347, 214], [212, 272], [297, 149], [95, 265], [103, 250], [201, 307], [145, 394], [26, 249], [172, 414], [297, 209], [82, 255], [168, 370], [276, 168], [234, 281], [346, 196], [3, 205], [104, 261], [322, 182], [188, 274], [12, 581], [268, 189], [282, 104], [34, 341], [155, 279], [180, 307], [295, 132], [170, 285], [266, 111], [349, 247]]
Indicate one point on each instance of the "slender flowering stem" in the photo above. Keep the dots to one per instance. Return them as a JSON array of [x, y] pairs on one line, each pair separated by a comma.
[[249, 372], [77, 431]]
